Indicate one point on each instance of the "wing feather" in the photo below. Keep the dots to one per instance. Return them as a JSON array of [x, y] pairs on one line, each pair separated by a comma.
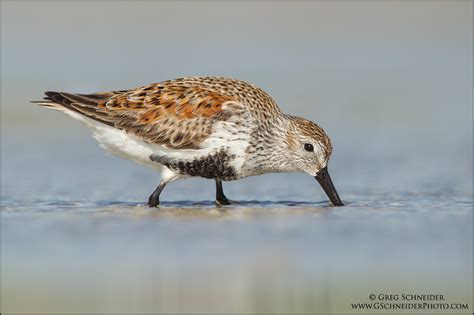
[[172, 113]]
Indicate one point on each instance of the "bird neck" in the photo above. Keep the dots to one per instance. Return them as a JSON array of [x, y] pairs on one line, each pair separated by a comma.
[[269, 147]]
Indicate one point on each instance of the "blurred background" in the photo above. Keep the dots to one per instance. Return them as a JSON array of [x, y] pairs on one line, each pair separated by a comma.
[[391, 83]]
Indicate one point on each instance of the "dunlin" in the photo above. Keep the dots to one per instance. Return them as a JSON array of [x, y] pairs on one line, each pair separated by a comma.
[[211, 127]]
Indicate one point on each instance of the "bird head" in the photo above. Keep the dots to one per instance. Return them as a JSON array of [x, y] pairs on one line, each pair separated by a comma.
[[310, 149]]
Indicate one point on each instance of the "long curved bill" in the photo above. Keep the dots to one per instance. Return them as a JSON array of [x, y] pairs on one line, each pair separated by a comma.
[[325, 181]]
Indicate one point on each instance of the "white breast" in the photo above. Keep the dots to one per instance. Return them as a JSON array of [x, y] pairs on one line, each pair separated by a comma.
[[231, 137]]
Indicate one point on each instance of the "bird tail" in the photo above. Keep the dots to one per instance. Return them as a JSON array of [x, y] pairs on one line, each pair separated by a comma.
[[85, 104]]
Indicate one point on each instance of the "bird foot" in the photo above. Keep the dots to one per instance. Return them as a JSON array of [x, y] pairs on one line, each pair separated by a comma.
[[226, 202], [153, 202], [222, 202]]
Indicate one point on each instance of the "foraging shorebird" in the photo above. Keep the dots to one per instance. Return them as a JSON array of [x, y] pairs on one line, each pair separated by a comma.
[[211, 127]]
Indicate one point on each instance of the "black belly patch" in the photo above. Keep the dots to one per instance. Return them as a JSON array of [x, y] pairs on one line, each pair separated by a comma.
[[216, 165]]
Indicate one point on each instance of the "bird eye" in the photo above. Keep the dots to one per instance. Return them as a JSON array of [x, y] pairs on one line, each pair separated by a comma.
[[308, 147]]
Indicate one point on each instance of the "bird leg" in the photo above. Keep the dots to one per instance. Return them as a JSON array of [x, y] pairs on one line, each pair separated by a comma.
[[154, 199], [221, 199]]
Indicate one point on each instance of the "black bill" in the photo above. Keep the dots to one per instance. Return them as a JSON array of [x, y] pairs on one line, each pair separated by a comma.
[[325, 181]]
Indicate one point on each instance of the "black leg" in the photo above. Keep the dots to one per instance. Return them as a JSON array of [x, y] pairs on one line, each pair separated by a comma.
[[220, 197], [154, 199]]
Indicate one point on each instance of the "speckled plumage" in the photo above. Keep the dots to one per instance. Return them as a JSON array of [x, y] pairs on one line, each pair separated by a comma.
[[210, 127]]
